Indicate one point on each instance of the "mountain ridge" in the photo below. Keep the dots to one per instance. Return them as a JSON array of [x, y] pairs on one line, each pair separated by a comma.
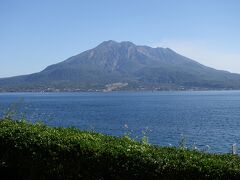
[[123, 65]]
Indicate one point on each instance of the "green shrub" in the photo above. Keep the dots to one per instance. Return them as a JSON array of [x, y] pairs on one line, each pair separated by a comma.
[[35, 151]]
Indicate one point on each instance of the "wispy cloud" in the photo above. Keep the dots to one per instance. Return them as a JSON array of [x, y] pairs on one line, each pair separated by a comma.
[[205, 53]]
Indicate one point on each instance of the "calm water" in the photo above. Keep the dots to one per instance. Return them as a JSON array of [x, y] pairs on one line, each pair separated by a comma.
[[203, 118]]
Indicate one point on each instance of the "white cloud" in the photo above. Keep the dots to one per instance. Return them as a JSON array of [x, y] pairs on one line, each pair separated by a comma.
[[204, 53]]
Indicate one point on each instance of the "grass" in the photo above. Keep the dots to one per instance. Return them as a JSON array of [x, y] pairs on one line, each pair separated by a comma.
[[36, 151]]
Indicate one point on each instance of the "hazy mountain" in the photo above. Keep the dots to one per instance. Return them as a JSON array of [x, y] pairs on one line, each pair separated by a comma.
[[112, 65]]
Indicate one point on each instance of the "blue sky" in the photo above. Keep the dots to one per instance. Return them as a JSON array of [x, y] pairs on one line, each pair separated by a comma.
[[35, 34]]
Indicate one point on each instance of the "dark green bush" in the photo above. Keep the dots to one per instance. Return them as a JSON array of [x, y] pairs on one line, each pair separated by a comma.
[[35, 151]]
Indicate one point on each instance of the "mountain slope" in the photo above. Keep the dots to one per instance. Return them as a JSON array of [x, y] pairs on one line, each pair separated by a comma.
[[112, 65]]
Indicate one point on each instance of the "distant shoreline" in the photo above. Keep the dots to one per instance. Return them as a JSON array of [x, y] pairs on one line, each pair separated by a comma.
[[117, 91]]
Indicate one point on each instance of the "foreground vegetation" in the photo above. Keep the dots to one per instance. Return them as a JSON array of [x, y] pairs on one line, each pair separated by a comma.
[[35, 151]]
